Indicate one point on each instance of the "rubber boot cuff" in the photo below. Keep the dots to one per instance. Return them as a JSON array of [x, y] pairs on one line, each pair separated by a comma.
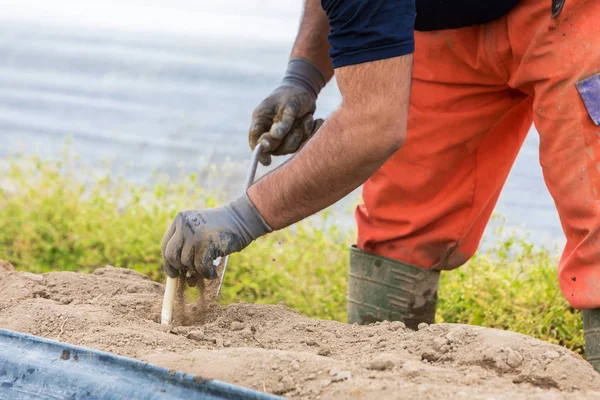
[[591, 329], [380, 288]]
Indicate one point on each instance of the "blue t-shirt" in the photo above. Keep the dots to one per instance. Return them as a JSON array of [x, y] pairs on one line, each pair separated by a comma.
[[369, 30]]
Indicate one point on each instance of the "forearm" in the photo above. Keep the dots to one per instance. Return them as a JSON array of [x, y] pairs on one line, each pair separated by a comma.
[[353, 143], [311, 42], [329, 167]]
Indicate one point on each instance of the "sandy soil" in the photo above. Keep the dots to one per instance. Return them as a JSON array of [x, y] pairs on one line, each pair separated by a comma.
[[275, 349]]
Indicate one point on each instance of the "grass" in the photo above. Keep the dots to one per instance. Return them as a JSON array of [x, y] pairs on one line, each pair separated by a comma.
[[51, 220]]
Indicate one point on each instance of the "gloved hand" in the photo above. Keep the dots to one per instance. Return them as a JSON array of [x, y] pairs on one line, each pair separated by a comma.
[[196, 238], [283, 122]]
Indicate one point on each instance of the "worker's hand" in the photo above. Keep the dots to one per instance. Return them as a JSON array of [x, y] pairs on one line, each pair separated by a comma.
[[283, 122], [196, 238]]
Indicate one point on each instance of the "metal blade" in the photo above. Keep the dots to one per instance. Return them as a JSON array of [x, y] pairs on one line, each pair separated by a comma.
[[249, 180]]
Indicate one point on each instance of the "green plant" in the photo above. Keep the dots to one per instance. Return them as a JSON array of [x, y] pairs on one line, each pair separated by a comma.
[[59, 215]]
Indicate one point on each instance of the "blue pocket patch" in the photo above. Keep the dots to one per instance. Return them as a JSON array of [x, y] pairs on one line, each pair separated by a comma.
[[589, 89]]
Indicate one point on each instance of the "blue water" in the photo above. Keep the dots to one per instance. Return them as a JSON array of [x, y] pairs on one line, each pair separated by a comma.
[[157, 85]]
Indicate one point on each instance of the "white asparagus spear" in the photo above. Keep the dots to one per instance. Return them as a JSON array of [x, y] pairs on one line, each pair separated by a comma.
[[169, 301]]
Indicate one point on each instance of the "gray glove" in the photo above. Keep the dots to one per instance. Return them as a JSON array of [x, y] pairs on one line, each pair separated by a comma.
[[196, 238], [283, 122]]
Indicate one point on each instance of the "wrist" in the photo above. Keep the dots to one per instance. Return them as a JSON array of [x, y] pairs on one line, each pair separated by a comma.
[[263, 198], [251, 223], [303, 73]]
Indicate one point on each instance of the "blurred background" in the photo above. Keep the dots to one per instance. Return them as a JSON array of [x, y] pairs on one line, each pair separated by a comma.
[[161, 85]]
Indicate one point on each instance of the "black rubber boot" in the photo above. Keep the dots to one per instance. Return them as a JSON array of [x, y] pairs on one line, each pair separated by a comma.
[[380, 288], [591, 329]]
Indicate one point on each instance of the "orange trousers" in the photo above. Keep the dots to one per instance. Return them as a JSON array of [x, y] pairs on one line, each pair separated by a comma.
[[475, 93]]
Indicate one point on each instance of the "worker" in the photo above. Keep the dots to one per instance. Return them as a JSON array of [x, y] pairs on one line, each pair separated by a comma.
[[432, 143]]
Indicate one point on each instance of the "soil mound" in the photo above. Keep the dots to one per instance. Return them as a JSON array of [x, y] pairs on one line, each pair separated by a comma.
[[275, 349]]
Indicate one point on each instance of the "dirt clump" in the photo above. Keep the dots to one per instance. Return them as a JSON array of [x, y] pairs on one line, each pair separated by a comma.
[[275, 349]]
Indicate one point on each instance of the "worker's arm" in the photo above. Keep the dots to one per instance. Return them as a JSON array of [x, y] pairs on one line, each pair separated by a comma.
[[372, 42], [284, 120], [354, 142], [311, 42]]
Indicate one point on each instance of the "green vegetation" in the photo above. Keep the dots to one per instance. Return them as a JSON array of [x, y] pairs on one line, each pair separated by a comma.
[[51, 221]]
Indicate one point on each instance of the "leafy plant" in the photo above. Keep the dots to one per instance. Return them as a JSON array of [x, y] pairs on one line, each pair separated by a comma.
[[59, 215]]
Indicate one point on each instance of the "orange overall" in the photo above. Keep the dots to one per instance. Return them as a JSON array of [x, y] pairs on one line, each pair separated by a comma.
[[475, 93]]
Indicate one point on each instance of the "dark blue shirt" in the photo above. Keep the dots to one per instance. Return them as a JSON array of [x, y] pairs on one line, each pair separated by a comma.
[[370, 30]]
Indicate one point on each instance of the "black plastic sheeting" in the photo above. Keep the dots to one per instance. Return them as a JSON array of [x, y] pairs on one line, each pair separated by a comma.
[[36, 368]]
